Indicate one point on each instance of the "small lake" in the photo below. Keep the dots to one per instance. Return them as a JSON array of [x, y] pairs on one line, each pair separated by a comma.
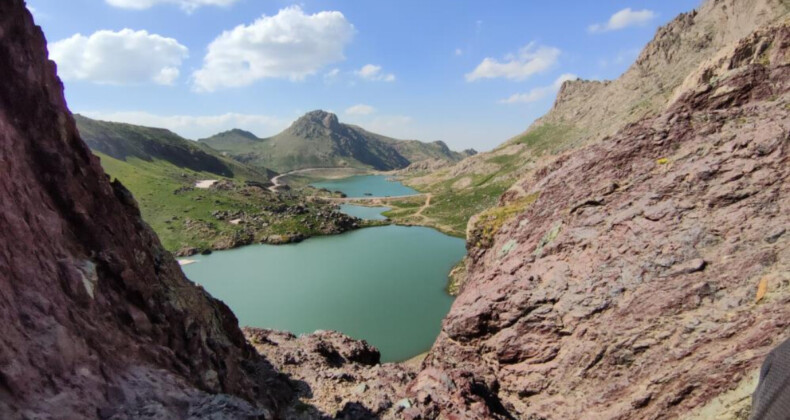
[[362, 185], [368, 213], [385, 285]]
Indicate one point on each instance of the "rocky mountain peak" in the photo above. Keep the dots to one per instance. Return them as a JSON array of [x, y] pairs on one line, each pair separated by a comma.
[[595, 109], [317, 119]]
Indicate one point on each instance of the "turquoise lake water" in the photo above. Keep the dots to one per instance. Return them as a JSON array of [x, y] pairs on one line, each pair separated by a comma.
[[369, 213], [359, 185], [385, 284]]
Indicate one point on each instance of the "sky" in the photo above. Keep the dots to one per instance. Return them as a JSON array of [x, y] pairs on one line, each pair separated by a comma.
[[470, 73]]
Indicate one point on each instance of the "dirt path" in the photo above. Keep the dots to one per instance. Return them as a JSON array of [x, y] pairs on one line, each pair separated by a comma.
[[424, 206], [276, 180]]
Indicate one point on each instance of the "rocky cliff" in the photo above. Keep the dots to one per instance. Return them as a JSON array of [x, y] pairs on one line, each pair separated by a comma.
[[594, 109], [96, 318], [639, 277]]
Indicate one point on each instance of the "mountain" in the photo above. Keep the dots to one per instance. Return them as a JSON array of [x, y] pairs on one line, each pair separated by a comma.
[[587, 111], [319, 140], [126, 142], [163, 171]]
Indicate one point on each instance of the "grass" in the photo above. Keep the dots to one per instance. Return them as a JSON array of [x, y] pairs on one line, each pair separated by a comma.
[[182, 216], [545, 138], [490, 221], [488, 178]]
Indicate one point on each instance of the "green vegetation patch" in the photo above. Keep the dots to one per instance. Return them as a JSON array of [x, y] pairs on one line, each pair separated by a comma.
[[490, 221], [545, 138], [185, 216]]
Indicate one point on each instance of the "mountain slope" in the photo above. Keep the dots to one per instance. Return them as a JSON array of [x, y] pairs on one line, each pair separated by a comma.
[[162, 170], [586, 111], [97, 319], [319, 140], [642, 276], [126, 141]]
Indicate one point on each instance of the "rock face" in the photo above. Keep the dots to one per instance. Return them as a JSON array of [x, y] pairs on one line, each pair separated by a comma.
[[96, 319], [646, 275], [595, 108], [336, 374]]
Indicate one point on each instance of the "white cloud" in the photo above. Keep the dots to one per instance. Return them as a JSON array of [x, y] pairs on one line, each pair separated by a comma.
[[360, 109], [529, 60], [332, 75], [188, 6], [373, 72], [624, 19], [289, 45], [539, 93], [197, 126], [459, 51], [123, 57]]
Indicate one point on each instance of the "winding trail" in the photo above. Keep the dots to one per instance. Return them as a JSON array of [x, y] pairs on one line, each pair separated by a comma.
[[276, 180], [424, 206]]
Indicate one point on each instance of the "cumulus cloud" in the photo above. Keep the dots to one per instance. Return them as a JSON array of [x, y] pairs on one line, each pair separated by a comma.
[[374, 73], [529, 60], [123, 57], [360, 109], [289, 45], [624, 19], [188, 6], [539, 93], [196, 126]]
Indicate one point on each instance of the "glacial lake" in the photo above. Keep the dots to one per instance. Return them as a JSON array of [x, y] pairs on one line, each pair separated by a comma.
[[385, 285], [361, 185], [368, 213]]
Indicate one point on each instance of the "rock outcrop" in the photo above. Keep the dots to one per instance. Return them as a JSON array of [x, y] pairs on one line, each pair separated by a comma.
[[96, 318], [645, 275]]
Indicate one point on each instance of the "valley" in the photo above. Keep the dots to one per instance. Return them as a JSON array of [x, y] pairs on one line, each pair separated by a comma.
[[625, 257]]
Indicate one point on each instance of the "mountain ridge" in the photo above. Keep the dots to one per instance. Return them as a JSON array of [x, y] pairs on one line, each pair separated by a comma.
[[585, 111], [122, 141], [319, 139]]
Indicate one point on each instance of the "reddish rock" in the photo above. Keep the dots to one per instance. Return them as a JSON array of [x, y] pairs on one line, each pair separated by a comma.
[[636, 301], [96, 318]]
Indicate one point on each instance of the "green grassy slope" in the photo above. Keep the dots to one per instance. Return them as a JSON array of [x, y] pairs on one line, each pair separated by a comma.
[[475, 184], [124, 141], [184, 216], [161, 170]]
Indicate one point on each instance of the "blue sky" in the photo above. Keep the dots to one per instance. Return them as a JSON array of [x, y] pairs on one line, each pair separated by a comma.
[[471, 73]]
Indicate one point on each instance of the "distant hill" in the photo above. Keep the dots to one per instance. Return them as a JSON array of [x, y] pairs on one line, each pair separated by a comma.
[[124, 141], [163, 171], [318, 139]]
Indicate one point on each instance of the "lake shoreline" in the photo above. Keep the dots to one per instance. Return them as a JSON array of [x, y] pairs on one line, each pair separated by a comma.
[[379, 285]]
